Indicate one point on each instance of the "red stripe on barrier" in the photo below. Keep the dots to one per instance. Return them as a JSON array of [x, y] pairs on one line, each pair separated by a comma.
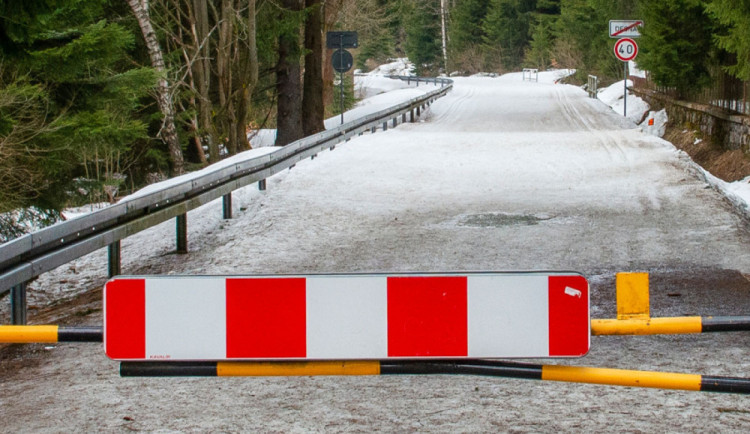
[[427, 316], [125, 319], [266, 318], [568, 306]]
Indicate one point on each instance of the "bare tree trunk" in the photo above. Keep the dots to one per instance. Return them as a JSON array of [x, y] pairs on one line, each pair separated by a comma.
[[224, 76], [443, 12], [288, 84], [248, 67], [313, 109], [202, 72], [331, 9], [168, 131]]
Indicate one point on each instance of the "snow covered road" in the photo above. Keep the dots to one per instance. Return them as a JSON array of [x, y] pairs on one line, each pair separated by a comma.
[[499, 175]]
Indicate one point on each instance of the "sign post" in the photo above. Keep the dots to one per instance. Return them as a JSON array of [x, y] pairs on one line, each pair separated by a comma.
[[342, 60], [626, 49]]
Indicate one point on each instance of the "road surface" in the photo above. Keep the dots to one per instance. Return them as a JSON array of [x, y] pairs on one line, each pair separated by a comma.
[[499, 175]]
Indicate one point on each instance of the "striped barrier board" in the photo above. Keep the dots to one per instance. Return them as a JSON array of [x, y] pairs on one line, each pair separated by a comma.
[[347, 317]]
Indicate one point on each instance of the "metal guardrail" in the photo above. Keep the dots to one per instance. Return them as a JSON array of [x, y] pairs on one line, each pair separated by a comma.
[[530, 72], [592, 87], [28, 256]]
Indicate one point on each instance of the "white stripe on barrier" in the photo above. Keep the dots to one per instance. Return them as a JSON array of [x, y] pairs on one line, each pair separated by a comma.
[[508, 316], [347, 317]]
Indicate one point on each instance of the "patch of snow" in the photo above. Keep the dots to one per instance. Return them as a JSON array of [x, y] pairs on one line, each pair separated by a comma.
[[613, 97], [400, 66], [552, 76], [741, 189], [71, 213], [262, 138], [659, 126], [635, 71], [369, 85], [234, 159]]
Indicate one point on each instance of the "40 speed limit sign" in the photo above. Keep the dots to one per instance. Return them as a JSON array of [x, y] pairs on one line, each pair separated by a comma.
[[626, 49]]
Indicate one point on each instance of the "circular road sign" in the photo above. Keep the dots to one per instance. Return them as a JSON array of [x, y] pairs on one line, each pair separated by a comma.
[[342, 60], [626, 49]]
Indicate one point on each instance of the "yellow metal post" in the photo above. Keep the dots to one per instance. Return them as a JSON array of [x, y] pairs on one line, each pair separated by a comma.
[[632, 296]]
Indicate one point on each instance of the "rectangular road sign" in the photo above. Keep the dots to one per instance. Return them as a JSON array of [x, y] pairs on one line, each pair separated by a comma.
[[347, 317], [625, 28], [338, 40]]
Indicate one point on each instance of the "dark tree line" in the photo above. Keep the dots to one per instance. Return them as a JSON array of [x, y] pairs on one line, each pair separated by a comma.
[[103, 96]]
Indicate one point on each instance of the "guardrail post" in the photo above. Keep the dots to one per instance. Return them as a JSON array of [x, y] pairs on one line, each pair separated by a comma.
[[373, 129], [18, 304], [114, 259], [262, 185], [395, 122], [419, 110], [226, 206], [411, 116], [182, 246], [385, 126], [403, 118]]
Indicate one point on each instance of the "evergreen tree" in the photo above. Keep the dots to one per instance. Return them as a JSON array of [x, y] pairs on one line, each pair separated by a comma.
[[735, 15], [676, 45], [466, 23], [539, 54], [506, 29], [422, 30], [77, 55]]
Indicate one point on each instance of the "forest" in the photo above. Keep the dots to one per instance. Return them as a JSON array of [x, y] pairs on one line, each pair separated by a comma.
[[101, 97]]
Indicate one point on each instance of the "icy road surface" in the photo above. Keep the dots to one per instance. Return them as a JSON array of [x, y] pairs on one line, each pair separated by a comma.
[[499, 175]]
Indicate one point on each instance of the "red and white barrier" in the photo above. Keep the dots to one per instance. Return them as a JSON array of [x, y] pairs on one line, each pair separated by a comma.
[[347, 317]]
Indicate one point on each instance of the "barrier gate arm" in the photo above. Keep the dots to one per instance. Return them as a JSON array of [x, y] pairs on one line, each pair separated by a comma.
[[50, 334], [633, 319], [491, 368]]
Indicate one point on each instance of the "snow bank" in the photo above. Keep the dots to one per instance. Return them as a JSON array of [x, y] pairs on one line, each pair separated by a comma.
[[659, 126], [230, 161], [555, 75], [400, 66], [613, 97]]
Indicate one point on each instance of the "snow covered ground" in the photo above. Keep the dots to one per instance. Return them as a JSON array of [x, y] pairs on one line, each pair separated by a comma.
[[639, 111], [500, 174]]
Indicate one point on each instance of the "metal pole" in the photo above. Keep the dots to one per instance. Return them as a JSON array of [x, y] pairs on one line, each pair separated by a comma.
[[625, 92], [341, 77], [113, 256], [226, 202], [18, 304], [182, 246]]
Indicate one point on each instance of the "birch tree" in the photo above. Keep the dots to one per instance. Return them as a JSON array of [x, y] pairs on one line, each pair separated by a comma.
[[168, 132]]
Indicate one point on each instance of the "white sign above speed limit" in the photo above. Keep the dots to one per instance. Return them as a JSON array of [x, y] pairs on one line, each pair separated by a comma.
[[626, 49]]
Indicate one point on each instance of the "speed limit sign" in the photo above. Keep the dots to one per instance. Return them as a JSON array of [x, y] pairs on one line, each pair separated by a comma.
[[626, 49]]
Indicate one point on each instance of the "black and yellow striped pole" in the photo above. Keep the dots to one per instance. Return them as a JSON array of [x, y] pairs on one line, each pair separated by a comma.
[[669, 326], [634, 315], [48, 334], [492, 368]]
